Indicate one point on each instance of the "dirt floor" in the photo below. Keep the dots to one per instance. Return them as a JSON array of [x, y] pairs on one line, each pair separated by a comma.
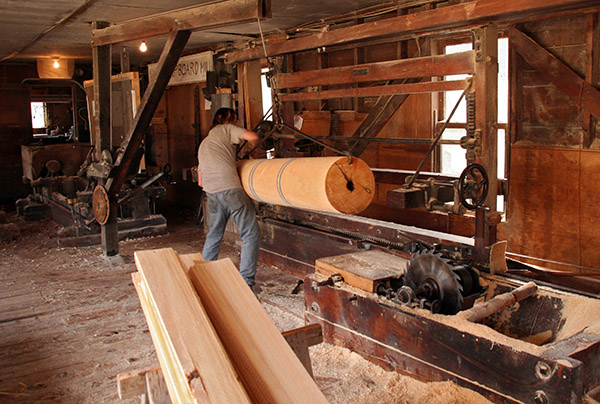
[[70, 322]]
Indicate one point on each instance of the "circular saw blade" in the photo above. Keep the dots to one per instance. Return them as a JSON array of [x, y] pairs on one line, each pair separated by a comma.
[[427, 266]]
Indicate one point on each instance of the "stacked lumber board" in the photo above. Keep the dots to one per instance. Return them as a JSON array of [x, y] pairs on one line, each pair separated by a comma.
[[214, 341], [194, 362]]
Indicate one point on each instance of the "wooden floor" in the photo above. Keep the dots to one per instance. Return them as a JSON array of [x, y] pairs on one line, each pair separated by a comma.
[[70, 323]]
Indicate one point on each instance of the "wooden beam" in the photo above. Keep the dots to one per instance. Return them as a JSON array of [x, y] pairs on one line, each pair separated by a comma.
[[384, 109], [166, 64], [555, 71], [202, 17], [133, 384], [485, 85], [478, 11], [101, 67], [189, 349], [442, 65], [592, 72], [268, 367], [391, 89]]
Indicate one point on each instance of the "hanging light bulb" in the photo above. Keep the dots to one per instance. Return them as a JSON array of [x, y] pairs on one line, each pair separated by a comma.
[[143, 47], [55, 63]]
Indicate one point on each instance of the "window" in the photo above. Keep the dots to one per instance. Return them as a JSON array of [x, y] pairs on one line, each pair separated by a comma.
[[38, 115], [267, 101]]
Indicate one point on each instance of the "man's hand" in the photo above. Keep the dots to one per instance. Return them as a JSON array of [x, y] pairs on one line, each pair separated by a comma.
[[200, 178]]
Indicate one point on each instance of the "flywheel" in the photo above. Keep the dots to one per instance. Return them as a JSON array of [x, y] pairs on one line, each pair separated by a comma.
[[100, 204]]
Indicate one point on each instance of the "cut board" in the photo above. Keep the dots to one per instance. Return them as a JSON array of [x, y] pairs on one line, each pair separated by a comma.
[[264, 361], [363, 269], [194, 361]]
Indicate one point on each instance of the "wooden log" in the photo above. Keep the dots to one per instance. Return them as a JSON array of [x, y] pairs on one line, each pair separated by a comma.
[[268, 367], [189, 350], [328, 184], [497, 303]]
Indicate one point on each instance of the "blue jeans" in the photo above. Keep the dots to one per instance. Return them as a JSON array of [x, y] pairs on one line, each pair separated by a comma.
[[235, 203]]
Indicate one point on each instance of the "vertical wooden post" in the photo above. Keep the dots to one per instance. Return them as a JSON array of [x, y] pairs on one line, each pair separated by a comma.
[[125, 62], [592, 74], [486, 104], [101, 62], [252, 93], [74, 112]]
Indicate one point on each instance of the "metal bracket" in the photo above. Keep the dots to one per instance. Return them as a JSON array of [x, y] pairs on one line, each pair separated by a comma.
[[472, 145]]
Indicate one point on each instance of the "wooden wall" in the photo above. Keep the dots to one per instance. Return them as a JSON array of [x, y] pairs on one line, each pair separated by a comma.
[[552, 210], [175, 140], [15, 129], [552, 149]]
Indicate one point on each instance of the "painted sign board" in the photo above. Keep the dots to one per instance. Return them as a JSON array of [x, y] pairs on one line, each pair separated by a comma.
[[189, 69]]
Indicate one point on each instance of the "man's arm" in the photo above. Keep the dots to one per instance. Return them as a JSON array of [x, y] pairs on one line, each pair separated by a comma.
[[251, 137], [199, 178]]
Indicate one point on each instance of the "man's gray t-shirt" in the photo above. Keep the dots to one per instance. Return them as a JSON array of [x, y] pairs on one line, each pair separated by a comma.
[[216, 158]]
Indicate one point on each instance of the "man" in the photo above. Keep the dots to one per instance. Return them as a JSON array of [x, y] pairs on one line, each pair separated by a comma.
[[217, 174]]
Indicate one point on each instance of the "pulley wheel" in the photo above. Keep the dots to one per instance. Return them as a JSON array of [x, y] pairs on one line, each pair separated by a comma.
[[100, 204], [473, 186]]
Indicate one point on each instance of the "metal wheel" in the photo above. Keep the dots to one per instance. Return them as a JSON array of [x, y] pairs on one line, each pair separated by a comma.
[[473, 186], [100, 204]]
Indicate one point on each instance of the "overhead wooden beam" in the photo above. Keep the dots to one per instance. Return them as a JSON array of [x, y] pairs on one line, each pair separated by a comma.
[[391, 89], [442, 65], [166, 64], [556, 72], [478, 11], [202, 17]]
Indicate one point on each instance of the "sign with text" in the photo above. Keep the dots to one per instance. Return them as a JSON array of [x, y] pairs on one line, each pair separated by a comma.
[[189, 69]]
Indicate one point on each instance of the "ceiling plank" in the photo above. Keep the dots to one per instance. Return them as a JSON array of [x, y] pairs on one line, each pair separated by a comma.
[[478, 11], [202, 17]]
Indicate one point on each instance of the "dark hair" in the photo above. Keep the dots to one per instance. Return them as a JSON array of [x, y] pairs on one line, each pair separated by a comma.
[[223, 115]]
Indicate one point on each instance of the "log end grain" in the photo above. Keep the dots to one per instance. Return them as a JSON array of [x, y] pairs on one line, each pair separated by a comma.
[[350, 186]]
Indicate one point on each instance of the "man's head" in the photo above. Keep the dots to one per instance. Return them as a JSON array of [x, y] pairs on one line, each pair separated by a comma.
[[224, 115]]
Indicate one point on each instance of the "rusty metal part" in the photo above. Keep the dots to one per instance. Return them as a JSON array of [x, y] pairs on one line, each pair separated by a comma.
[[473, 185], [434, 282], [101, 204]]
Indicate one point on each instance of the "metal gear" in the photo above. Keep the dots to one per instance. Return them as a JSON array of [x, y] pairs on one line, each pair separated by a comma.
[[431, 277]]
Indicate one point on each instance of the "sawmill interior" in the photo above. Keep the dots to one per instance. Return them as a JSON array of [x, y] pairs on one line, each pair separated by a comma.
[[424, 183]]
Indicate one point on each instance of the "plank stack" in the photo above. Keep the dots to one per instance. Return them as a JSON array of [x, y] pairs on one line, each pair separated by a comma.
[[214, 341]]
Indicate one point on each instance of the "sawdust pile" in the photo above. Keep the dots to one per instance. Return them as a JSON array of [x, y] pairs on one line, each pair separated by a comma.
[[579, 313], [360, 381]]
